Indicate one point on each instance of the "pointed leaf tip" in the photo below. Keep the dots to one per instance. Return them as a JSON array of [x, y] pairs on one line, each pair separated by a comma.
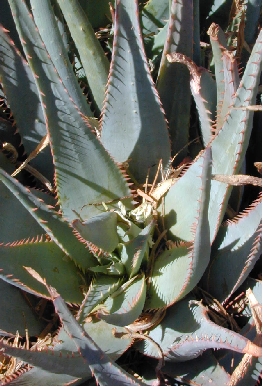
[[35, 275], [133, 120]]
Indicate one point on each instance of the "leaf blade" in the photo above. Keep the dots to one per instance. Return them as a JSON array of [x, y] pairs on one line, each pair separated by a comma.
[[133, 121]]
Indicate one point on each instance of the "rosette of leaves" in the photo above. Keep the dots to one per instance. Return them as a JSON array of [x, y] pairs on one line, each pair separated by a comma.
[[119, 229]]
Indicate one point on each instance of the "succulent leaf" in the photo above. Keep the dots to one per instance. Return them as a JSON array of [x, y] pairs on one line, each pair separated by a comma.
[[133, 121], [47, 259], [154, 15], [101, 287], [19, 308], [158, 41], [235, 251], [35, 376], [247, 369], [226, 72], [233, 138], [203, 89], [196, 32], [173, 81], [83, 167], [134, 251], [181, 211], [170, 263], [102, 333], [65, 364], [185, 333], [219, 44], [8, 202], [253, 12], [92, 56], [101, 230], [105, 371], [98, 11], [125, 305], [188, 262], [48, 28], [19, 85], [207, 372], [51, 222]]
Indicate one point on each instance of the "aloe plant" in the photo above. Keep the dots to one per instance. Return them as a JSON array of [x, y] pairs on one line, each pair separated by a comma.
[[127, 225]]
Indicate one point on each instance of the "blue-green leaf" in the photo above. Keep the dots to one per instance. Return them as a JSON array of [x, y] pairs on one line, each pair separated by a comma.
[[85, 176], [19, 86], [235, 252], [133, 122], [186, 262]]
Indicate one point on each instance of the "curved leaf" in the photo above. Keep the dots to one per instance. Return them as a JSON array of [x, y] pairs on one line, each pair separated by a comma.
[[253, 13], [54, 225], [85, 174], [226, 72], [185, 333], [92, 56], [181, 207], [101, 365], [173, 81], [48, 260], [154, 15], [163, 290], [203, 88], [101, 287], [24, 226], [48, 28], [69, 367], [101, 230], [35, 377], [90, 355], [133, 122], [205, 371], [235, 251], [125, 305], [133, 252], [19, 85], [102, 333], [25, 318], [187, 262], [232, 140]]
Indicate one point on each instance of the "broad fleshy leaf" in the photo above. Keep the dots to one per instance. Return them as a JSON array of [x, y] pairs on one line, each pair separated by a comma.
[[104, 370], [226, 72], [188, 261], [173, 80], [24, 226], [204, 371], [48, 28], [203, 88], [101, 287], [19, 85], [133, 122], [235, 251], [85, 174], [180, 212], [92, 56], [101, 230], [186, 331], [125, 305], [133, 252], [12, 300], [51, 222], [48, 260], [232, 140]]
